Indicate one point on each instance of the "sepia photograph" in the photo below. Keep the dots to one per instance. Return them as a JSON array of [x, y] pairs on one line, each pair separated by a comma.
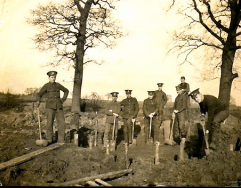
[[132, 93]]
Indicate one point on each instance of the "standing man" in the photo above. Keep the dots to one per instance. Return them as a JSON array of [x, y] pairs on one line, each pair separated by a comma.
[[161, 100], [112, 113], [180, 106], [54, 106], [150, 111], [217, 112], [129, 111], [186, 88]]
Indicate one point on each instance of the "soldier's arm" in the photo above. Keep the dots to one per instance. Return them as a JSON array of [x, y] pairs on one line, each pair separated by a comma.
[[188, 87], [66, 92], [165, 99], [121, 107], [210, 113], [108, 110], [136, 107], [41, 92], [145, 112]]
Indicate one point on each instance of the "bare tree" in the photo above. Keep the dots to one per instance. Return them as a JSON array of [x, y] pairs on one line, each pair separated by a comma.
[[214, 27], [70, 29]]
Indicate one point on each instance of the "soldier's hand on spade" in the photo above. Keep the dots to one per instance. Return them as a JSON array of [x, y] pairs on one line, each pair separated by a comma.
[[114, 114]]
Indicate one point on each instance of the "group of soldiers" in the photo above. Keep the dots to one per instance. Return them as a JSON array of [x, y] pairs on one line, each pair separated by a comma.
[[128, 109], [153, 107]]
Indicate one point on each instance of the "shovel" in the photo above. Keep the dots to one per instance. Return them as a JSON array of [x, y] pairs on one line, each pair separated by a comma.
[[40, 142], [170, 141], [150, 127], [207, 150], [132, 135], [96, 128], [113, 135]]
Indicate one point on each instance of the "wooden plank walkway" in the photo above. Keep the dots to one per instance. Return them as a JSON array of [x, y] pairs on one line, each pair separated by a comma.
[[28, 156]]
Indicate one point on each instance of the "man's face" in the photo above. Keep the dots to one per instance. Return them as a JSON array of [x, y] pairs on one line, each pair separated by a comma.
[[159, 88], [198, 98], [114, 99], [128, 95], [182, 80], [150, 96], [52, 79]]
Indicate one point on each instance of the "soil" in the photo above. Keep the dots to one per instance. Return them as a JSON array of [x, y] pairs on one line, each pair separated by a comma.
[[19, 132]]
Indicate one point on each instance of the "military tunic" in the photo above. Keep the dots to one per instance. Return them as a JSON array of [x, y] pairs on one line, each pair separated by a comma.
[[115, 107], [186, 88], [54, 107], [129, 110], [150, 106], [161, 99], [217, 113]]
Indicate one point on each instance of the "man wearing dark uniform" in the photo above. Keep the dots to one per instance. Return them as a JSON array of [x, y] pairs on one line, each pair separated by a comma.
[[161, 100], [54, 106], [186, 88], [112, 113], [129, 111], [217, 112], [180, 106], [150, 111]]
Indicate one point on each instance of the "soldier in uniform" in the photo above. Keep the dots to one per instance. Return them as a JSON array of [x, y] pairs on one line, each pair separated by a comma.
[[112, 113], [217, 112], [161, 100], [180, 106], [129, 111], [150, 111], [54, 106], [186, 88]]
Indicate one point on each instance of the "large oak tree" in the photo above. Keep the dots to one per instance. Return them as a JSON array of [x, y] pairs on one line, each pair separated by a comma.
[[72, 27], [212, 26]]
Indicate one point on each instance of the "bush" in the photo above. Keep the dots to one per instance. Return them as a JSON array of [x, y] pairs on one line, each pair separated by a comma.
[[8, 101], [90, 103]]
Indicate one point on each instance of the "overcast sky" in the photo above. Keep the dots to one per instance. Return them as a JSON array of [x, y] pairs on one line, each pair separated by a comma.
[[138, 62]]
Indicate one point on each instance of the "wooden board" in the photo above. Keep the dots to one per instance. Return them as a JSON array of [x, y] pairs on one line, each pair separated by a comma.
[[92, 183], [82, 181], [103, 182], [28, 156]]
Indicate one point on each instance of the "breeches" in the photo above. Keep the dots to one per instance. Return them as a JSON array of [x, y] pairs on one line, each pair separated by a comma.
[[214, 128], [109, 130], [180, 124], [155, 128], [128, 126], [59, 114]]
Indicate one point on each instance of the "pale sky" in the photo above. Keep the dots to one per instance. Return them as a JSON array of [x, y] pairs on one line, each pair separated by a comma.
[[138, 62]]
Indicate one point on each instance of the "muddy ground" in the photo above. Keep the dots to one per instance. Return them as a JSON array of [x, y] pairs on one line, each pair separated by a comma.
[[19, 131]]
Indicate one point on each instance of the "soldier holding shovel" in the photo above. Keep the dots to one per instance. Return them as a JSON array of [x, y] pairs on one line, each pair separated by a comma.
[[129, 111], [54, 106], [180, 106], [217, 112], [112, 113], [161, 100], [150, 111]]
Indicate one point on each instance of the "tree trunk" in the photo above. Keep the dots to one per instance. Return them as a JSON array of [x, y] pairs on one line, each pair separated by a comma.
[[80, 51], [228, 55], [227, 76]]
